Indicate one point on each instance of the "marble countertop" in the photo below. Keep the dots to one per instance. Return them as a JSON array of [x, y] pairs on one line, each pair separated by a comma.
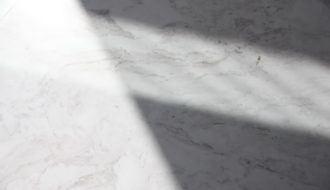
[[164, 94]]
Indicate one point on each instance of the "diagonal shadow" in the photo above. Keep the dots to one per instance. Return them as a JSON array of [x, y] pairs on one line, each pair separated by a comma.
[[217, 151], [298, 26], [209, 150]]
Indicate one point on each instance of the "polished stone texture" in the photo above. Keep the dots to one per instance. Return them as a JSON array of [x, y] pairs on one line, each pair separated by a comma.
[[164, 95]]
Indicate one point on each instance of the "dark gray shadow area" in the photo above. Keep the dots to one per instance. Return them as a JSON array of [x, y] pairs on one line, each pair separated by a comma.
[[290, 26], [326, 2], [217, 151]]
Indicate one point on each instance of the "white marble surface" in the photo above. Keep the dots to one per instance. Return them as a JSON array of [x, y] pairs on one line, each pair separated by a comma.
[[164, 94]]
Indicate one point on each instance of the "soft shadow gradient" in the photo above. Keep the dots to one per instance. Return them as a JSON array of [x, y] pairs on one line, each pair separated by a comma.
[[291, 26], [209, 150], [214, 150]]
